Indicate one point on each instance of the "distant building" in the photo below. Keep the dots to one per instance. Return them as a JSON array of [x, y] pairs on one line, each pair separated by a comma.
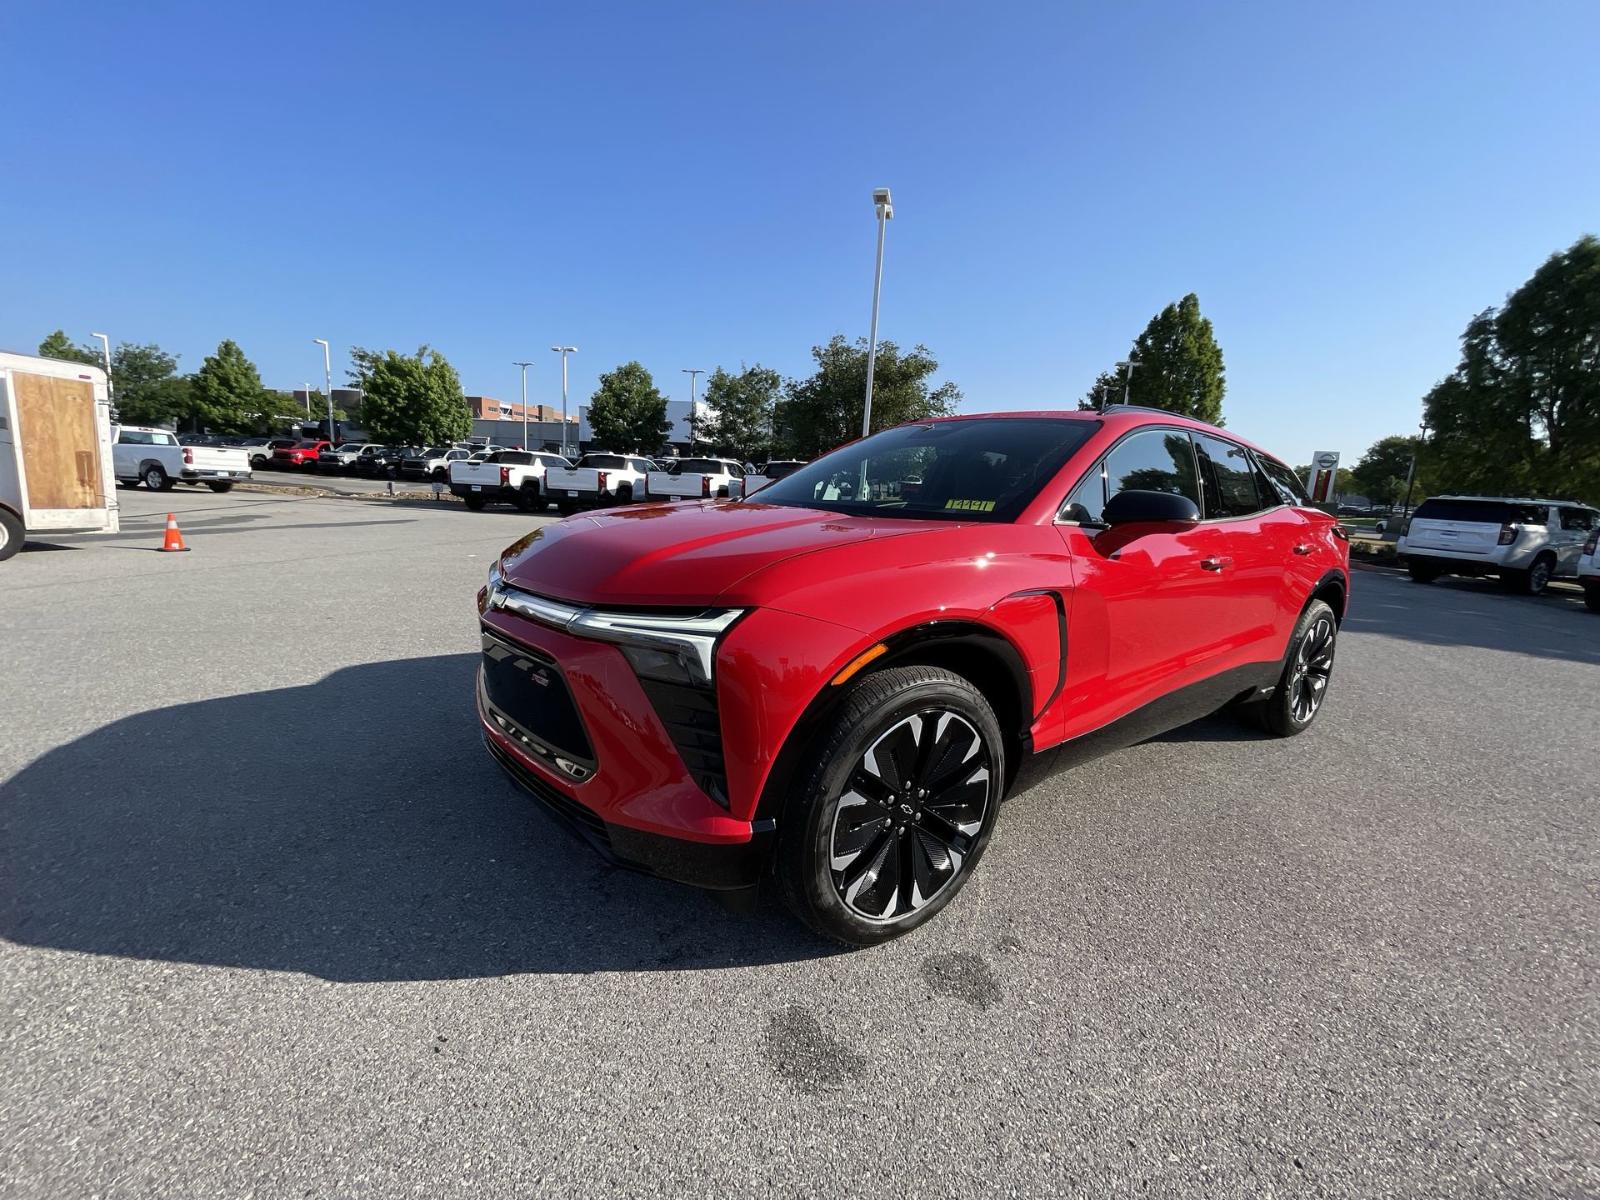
[[487, 408]]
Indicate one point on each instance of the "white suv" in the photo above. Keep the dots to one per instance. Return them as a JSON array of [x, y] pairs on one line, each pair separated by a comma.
[[1527, 543], [1589, 570]]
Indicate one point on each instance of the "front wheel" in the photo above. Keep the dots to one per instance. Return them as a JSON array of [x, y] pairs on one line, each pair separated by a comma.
[[1422, 572], [1304, 682], [11, 534], [220, 485], [893, 818]]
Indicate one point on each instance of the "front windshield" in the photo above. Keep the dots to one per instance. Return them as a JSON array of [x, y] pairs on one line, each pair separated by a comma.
[[977, 469]]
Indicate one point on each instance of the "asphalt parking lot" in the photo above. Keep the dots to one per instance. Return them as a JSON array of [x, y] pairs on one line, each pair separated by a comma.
[[272, 923]]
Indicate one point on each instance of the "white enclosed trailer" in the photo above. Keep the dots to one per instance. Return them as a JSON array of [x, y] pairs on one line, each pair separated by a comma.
[[55, 450]]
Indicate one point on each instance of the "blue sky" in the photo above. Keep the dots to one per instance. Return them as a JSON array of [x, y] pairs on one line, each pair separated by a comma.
[[689, 184]]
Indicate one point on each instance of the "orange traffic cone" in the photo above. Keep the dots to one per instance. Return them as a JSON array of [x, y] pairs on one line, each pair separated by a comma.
[[173, 542]]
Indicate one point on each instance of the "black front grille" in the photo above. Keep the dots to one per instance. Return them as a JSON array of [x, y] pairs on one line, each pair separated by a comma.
[[582, 821], [528, 698], [691, 720]]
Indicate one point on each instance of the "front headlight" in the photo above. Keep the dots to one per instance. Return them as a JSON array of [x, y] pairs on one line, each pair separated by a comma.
[[675, 648]]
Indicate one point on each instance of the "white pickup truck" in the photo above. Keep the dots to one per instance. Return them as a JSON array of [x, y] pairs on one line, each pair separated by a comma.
[[142, 454], [433, 464], [695, 479], [771, 473], [599, 478], [505, 477]]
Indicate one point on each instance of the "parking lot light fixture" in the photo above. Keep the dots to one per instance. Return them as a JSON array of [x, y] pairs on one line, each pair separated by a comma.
[[327, 375], [694, 374], [564, 351], [884, 205], [1126, 366], [524, 366]]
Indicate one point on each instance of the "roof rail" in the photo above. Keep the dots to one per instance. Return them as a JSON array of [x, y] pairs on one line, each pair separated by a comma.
[[1119, 407]]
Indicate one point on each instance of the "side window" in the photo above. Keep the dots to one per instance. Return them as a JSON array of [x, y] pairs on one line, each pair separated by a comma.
[[1283, 481], [1156, 460], [132, 437], [1228, 479], [1580, 520]]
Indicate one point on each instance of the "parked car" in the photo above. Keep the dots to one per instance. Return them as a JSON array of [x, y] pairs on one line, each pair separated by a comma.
[[599, 478], [1589, 570], [1526, 543], [778, 468], [301, 455], [841, 688], [504, 477], [695, 479], [346, 456], [433, 464], [145, 454], [385, 460], [260, 449]]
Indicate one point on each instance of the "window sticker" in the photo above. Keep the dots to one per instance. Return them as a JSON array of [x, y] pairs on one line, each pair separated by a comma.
[[970, 505]]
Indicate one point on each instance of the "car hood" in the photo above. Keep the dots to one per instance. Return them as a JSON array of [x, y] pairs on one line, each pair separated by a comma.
[[678, 554]]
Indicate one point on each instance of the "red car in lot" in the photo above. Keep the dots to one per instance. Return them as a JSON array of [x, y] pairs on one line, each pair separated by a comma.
[[832, 685], [301, 454]]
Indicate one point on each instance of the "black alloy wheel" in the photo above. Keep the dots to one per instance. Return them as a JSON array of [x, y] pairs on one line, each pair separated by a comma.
[[909, 815], [898, 805], [1303, 685]]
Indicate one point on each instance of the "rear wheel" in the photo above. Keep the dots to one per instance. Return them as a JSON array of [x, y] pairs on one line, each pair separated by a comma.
[[893, 818], [1534, 580], [1591, 596], [11, 534], [527, 499], [1422, 572], [156, 479], [220, 485], [1304, 683], [566, 507], [473, 502]]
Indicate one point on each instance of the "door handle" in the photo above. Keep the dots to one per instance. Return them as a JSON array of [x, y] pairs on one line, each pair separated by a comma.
[[1302, 549], [1215, 564]]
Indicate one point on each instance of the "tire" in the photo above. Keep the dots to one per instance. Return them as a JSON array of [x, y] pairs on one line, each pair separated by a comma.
[[527, 500], [1422, 572], [625, 493], [1535, 579], [220, 485], [1591, 596], [440, 475], [913, 722], [566, 507], [1294, 705], [473, 503], [156, 479], [11, 534]]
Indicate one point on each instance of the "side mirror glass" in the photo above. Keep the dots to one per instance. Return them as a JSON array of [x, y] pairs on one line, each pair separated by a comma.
[[1136, 507]]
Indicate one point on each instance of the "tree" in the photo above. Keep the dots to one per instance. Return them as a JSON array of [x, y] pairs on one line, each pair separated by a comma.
[[1521, 411], [414, 400], [226, 393], [1179, 366], [824, 410], [58, 345], [146, 385], [627, 412], [1381, 474], [742, 406]]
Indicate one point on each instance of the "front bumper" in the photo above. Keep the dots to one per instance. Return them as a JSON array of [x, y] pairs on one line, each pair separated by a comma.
[[716, 867]]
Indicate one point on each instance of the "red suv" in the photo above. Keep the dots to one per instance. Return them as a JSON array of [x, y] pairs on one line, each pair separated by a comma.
[[833, 684]]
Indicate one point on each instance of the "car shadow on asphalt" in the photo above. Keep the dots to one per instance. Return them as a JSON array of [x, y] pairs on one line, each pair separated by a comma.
[[1457, 612], [353, 829]]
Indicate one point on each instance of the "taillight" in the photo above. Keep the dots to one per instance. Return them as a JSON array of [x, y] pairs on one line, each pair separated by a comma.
[[705, 485], [1508, 534], [1593, 543], [602, 477], [188, 456], [505, 476]]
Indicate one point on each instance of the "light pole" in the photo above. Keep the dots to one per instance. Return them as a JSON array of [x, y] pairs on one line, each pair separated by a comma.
[[327, 375], [564, 351], [105, 347], [1128, 364], [885, 208], [694, 374], [524, 366], [308, 400]]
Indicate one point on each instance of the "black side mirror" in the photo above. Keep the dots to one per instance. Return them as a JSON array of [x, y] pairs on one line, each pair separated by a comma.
[[1149, 508]]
